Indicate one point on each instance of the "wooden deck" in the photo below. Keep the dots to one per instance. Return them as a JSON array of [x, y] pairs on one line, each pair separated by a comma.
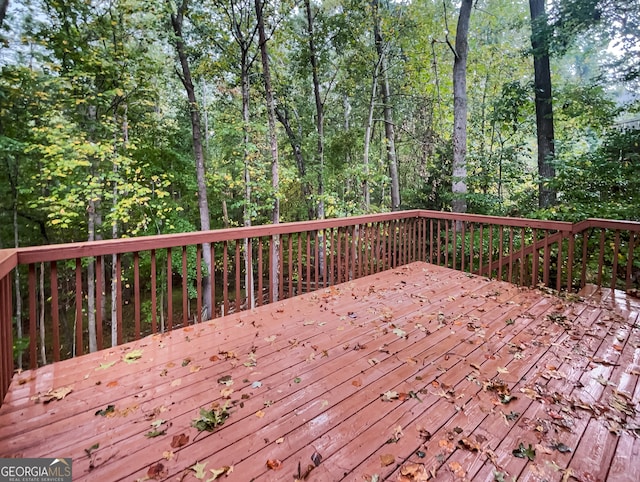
[[416, 373]]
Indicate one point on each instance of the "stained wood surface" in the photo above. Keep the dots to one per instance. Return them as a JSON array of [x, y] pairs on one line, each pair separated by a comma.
[[420, 367]]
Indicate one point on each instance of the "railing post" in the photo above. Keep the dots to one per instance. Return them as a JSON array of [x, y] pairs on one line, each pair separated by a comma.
[[6, 332]]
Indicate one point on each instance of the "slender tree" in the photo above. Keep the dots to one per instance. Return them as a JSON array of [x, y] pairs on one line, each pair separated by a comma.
[[389, 126], [459, 183], [177, 19], [544, 106], [319, 108], [273, 144]]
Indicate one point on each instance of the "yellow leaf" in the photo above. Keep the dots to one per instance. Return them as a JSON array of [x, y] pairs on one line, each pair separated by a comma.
[[260, 413]]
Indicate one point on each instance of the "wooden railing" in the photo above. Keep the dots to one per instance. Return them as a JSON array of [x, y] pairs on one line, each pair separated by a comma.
[[84, 296]]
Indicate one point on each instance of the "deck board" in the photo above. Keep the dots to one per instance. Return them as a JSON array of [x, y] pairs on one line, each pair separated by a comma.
[[438, 338]]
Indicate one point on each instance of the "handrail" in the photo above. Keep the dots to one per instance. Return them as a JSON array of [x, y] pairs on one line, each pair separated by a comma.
[[8, 261], [287, 259], [53, 252]]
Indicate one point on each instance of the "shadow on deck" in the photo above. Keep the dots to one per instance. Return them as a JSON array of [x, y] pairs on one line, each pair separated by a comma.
[[411, 374]]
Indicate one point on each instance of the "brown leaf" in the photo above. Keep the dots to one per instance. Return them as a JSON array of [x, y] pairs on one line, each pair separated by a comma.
[[226, 392], [227, 469], [413, 473], [469, 445], [112, 384], [274, 464], [457, 470], [214, 358], [260, 414], [387, 459], [179, 441], [356, 383], [156, 471]]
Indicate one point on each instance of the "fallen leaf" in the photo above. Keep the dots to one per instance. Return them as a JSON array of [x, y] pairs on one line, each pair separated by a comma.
[[112, 384], [260, 413], [106, 411], [186, 361], [226, 392], [177, 382], [214, 358], [523, 452], [562, 448], [400, 333], [280, 440], [356, 383], [256, 384], [274, 464], [199, 469], [316, 458], [389, 396], [91, 449], [132, 356], [211, 419], [104, 366], [226, 470], [225, 380], [269, 339], [469, 445], [373, 361], [297, 380], [413, 473], [457, 470], [194, 368], [155, 433], [156, 471], [179, 441], [502, 370], [387, 459], [51, 395], [167, 455]]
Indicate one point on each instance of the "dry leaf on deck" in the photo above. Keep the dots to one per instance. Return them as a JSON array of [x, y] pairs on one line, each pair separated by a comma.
[[179, 441], [387, 459], [132, 356], [413, 473], [227, 469], [274, 464], [199, 470], [51, 395], [156, 471], [457, 470]]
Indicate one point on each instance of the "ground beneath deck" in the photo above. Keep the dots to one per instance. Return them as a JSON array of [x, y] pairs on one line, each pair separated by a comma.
[[416, 373]]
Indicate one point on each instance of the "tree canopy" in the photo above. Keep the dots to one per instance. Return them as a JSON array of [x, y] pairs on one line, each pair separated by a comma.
[[352, 101]]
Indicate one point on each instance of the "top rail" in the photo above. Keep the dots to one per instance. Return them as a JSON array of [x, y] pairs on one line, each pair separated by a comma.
[[78, 297]]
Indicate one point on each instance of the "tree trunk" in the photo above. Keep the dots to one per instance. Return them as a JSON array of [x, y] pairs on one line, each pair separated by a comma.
[[389, 128], [203, 204], [273, 143], [544, 106], [4, 4], [319, 110], [294, 141], [459, 181], [367, 137]]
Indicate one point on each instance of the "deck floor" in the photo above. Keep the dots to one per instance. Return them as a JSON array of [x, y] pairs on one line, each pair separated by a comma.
[[413, 374]]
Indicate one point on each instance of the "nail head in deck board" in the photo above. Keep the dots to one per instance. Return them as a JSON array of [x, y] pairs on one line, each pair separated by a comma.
[[347, 424]]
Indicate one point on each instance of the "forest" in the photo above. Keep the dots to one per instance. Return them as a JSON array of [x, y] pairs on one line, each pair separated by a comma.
[[123, 118]]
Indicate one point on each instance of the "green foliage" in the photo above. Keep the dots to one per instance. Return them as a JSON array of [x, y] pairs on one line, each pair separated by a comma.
[[211, 419], [602, 182]]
